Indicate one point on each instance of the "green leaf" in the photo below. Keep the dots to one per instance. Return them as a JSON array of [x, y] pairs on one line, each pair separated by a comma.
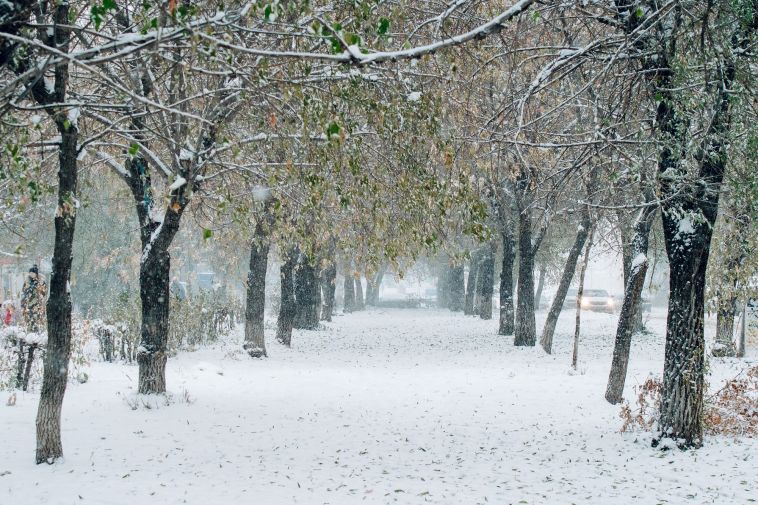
[[332, 129], [384, 25], [207, 233], [133, 149]]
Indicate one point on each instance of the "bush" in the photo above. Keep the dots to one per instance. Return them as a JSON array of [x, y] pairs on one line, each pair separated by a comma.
[[732, 410]]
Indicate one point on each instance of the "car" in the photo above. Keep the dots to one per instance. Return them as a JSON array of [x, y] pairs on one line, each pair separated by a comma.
[[598, 300]]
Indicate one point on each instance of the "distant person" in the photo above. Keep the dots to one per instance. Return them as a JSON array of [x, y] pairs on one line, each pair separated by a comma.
[[178, 289], [33, 301], [9, 316]]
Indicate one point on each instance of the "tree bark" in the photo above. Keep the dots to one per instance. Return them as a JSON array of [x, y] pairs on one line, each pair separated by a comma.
[[456, 288], [485, 282], [526, 325], [506, 325], [155, 280], [349, 288], [473, 273], [55, 372], [329, 286], [540, 286], [255, 306], [28, 368], [443, 285], [376, 283], [579, 294], [582, 232], [724, 345], [287, 303], [58, 353], [631, 305], [360, 303], [307, 295]]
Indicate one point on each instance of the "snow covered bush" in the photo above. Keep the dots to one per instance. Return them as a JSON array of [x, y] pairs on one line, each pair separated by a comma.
[[732, 410], [15, 368]]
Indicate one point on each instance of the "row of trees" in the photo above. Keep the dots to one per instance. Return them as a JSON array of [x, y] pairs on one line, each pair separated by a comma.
[[370, 133]]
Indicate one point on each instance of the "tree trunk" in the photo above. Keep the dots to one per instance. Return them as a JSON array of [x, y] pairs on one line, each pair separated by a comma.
[[526, 325], [376, 283], [29, 363], [473, 273], [582, 232], [58, 353], [635, 280], [485, 283], [360, 303], [55, 372], [724, 345], [307, 295], [443, 285], [20, 362], [287, 304], [540, 286], [349, 288], [329, 286], [155, 280], [456, 288], [506, 326], [741, 337], [579, 294], [255, 306]]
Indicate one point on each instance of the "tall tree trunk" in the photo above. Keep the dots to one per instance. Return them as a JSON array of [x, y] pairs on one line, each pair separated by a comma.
[[307, 295], [582, 232], [485, 282], [443, 285], [631, 305], [369, 289], [689, 213], [376, 284], [55, 372], [58, 353], [155, 279], [473, 273], [287, 307], [329, 286], [349, 288], [456, 288], [724, 345], [506, 326], [579, 294], [526, 325], [360, 303], [255, 306], [540, 286]]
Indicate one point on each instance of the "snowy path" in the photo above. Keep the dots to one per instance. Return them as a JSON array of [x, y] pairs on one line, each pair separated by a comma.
[[397, 406]]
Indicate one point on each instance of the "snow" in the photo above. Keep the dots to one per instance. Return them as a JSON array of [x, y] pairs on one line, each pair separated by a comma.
[[383, 406], [638, 260], [73, 116], [185, 154], [414, 96], [178, 183], [686, 226]]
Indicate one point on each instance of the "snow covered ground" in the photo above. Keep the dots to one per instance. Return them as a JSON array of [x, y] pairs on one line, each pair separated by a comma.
[[384, 406]]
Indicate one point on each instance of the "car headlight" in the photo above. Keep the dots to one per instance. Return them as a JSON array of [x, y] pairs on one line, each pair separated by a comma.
[[610, 302], [584, 303]]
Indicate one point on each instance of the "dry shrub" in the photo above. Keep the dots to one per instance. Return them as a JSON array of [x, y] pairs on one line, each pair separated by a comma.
[[732, 410], [648, 402]]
